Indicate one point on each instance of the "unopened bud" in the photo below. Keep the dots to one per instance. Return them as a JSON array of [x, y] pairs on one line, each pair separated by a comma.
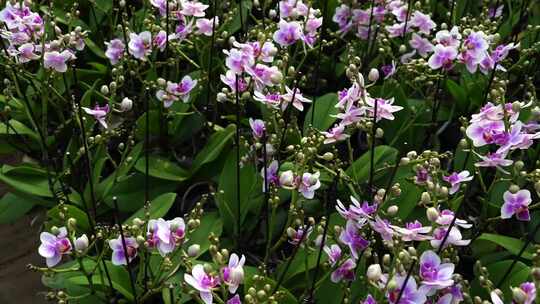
[[374, 272], [373, 75], [432, 214]]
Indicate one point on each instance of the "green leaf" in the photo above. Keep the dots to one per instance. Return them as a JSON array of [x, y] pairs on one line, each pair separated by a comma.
[[520, 273], [325, 108], [71, 211], [217, 142], [359, 170], [26, 179], [459, 94], [162, 168], [94, 48], [13, 207], [158, 208], [19, 127], [511, 244], [119, 277], [210, 223], [227, 197], [130, 191]]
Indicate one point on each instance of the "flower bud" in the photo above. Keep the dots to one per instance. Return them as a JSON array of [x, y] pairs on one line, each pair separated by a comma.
[[81, 243], [286, 179], [432, 214], [513, 188], [373, 75], [518, 295], [104, 90], [328, 156], [126, 104], [425, 198], [392, 210], [374, 272]]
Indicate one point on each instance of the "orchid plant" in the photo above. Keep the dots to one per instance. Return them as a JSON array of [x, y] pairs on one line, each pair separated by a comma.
[[285, 151]]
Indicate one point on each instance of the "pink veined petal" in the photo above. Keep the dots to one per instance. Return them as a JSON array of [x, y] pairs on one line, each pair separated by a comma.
[[54, 260], [118, 258], [206, 297], [523, 197], [46, 250], [47, 238], [336, 276], [523, 215], [198, 272], [233, 260], [165, 248], [192, 281], [445, 271], [103, 122], [495, 298], [116, 244], [163, 231], [233, 288], [430, 257]]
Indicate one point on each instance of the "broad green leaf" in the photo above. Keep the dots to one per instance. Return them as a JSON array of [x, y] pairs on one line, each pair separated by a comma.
[[162, 168], [459, 94], [519, 274], [26, 179], [18, 127], [158, 207], [359, 170], [13, 207], [210, 223], [227, 197], [130, 191], [71, 212], [324, 111], [217, 142], [511, 244]]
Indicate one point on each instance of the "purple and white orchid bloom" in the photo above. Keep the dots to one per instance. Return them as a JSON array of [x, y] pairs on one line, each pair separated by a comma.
[[529, 289], [288, 33], [385, 108], [118, 254], [295, 97], [140, 45], [435, 276], [193, 8], [308, 184], [455, 179], [54, 246], [369, 300], [27, 52], [335, 134], [454, 237], [166, 235], [99, 113], [233, 274], [356, 212], [446, 217], [351, 237], [344, 272], [257, 127], [115, 50], [205, 26], [516, 204], [389, 70], [272, 177], [422, 45], [410, 293], [484, 131], [423, 22], [413, 231], [57, 61], [334, 253], [382, 226], [497, 160], [202, 282], [443, 56], [297, 236], [422, 176]]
